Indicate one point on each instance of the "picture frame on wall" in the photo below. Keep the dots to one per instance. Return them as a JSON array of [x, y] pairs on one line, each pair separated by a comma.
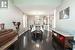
[[61, 14], [64, 14]]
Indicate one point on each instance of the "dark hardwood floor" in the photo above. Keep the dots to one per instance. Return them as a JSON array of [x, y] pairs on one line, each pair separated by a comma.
[[25, 43]]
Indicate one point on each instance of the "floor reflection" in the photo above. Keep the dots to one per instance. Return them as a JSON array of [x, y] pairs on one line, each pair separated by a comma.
[[26, 43]]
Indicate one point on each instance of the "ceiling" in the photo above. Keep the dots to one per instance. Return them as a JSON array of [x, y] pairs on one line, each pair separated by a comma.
[[40, 7]]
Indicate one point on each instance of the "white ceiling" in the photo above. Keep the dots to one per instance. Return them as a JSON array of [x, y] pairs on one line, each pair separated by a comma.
[[45, 6]]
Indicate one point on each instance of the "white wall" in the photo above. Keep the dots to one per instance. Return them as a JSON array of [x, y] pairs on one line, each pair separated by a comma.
[[30, 20], [10, 14], [66, 25]]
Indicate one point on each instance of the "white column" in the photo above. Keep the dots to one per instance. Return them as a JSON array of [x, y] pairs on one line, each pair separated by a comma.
[[48, 22], [48, 28], [54, 21], [24, 21]]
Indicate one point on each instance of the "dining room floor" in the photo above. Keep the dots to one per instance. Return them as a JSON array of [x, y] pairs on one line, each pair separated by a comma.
[[26, 43]]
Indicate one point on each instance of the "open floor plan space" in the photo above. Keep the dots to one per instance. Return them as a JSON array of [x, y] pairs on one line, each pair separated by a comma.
[[37, 24]]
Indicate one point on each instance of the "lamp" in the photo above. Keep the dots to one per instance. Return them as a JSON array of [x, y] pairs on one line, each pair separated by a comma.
[[17, 25]]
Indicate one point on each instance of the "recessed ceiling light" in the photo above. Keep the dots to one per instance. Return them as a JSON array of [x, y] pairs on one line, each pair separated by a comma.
[[36, 12]]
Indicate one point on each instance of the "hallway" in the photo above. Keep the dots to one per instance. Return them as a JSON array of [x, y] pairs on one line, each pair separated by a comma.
[[53, 19], [26, 43]]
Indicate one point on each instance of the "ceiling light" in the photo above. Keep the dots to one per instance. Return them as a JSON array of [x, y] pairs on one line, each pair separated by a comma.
[[37, 12]]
